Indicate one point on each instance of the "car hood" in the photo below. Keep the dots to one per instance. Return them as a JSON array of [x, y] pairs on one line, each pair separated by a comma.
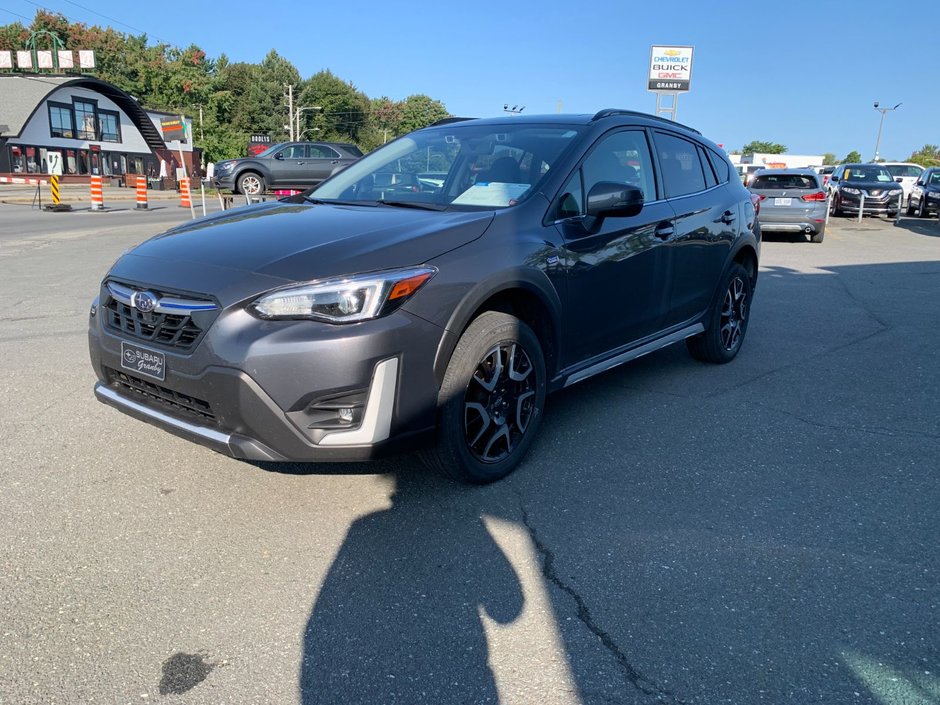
[[249, 250]]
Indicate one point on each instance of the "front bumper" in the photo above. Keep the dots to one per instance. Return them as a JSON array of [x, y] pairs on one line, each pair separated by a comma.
[[226, 181], [873, 205], [272, 390]]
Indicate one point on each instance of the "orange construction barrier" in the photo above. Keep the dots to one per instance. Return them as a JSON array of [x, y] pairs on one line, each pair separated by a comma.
[[185, 201], [142, 192], [97, 197]]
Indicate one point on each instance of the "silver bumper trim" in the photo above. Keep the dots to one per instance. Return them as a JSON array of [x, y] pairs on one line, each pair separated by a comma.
[[377, 419], [112, 397]]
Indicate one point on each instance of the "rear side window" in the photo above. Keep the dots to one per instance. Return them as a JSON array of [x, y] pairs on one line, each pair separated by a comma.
[[680, 164], [722, 169], [319, 151], [903, 170], [790, 181], [710, 180]]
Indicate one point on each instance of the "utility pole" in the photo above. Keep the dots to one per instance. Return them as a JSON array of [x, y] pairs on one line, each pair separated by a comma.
[[290, 110], [883, 111]]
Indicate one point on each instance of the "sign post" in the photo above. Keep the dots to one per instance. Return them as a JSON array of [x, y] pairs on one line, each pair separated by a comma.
[[670, 73]]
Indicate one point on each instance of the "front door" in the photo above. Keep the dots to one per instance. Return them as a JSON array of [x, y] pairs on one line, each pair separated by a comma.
[[290, 168], [617, 268]]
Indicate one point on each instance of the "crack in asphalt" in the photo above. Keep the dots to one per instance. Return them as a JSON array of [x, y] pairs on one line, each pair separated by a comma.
[[636, 679], [875, 431]]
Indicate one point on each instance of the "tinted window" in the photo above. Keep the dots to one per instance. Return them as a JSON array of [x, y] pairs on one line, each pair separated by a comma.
[[790, 181], [571, 202], [319, 151], [60, 120], [934, 178], [867, 173], [682, 168], [721, 165], [710, 179], [623, 157], [295, 151], [85, 120]]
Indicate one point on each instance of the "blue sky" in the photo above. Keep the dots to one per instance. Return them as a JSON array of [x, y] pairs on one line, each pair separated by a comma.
[[801, 73]]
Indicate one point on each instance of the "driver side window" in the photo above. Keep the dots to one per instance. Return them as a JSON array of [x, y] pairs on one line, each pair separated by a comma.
[[623, 158]]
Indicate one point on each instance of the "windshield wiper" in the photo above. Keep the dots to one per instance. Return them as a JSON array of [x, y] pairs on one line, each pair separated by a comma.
[[414, 204], [337, 202]]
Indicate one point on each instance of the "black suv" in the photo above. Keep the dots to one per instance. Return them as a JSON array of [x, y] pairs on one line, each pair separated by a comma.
[[869, 187], [431, 294], [297, 165]]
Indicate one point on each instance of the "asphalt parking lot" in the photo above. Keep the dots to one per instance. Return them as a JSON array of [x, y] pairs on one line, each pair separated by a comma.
[[761, 532]]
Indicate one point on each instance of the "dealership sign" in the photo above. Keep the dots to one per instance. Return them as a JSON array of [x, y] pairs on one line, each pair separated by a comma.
[[670, 69]]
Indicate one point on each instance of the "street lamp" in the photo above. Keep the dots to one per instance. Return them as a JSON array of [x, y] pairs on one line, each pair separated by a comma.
[[298, 113], [883, 111]]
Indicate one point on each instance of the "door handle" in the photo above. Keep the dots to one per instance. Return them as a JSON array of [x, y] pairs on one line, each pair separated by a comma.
[[299, 163], [664, 231], [727, 217], [335, 161]]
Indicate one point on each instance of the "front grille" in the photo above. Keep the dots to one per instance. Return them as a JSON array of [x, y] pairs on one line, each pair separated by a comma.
[[154, 395], [174, 321], [166, 328]]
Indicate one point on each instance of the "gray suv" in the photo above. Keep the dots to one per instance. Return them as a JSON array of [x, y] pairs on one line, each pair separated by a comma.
[[429, 296], [297, 165]]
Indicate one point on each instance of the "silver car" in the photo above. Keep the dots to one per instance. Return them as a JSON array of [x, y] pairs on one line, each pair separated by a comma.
[[791, 201]]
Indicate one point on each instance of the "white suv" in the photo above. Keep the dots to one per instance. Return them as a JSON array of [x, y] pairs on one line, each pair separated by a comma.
[[906, 174]]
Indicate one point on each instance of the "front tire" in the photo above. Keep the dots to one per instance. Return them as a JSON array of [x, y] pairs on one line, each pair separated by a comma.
[[922, 208], [491, 400], [251, 184], [726, 323], [835, 206]]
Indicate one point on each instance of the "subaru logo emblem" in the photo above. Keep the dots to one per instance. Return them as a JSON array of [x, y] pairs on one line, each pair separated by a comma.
[[143, 301]]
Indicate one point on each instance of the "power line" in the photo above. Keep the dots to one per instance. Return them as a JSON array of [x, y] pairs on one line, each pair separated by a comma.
[[110, 19], [16, 14]]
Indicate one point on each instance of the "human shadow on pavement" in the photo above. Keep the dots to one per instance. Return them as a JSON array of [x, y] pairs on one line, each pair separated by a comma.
[[398, 617]]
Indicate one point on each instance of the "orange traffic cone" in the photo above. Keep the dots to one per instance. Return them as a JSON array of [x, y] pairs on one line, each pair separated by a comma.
[[97, 197], [185, 201], [142, 192]]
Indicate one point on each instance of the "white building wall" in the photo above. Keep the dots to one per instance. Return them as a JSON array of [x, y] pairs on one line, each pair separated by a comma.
[[37, 132]]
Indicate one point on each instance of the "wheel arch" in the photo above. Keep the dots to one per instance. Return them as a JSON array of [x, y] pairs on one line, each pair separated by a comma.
[[527, 295]]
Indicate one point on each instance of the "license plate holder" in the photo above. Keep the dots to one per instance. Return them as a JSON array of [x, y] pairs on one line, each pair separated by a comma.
[[783, 201], [143, 361]]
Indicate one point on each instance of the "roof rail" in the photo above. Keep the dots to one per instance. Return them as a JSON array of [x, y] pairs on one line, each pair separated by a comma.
[[449, 120], [608, 112]]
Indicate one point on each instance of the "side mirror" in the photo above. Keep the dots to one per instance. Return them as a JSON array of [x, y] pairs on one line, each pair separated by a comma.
[[608, 199], [833, 178], [279, 156]]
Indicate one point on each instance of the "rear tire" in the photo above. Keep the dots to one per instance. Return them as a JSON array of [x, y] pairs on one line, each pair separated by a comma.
[[909, 211], [818, 237], [726, 323], [491, 401]]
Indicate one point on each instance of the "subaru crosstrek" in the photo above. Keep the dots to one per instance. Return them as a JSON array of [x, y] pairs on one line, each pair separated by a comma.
[[430, 296]]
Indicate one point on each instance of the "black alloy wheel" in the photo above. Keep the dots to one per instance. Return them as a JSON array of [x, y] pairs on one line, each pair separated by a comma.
[[499, 402], [491, 400], [726, 324]]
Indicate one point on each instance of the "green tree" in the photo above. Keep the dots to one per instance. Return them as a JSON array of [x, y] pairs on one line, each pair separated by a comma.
[[928, 155], [829, 159], [342, 108], [852, 157], [419, 111], [763, 147]]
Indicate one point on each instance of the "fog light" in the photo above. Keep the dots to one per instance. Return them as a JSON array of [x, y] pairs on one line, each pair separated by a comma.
[[346, 415]]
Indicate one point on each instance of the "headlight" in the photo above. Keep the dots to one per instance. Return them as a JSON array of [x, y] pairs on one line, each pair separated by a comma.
[[347, 300], [933, 195], [224, 166], [853, 191]]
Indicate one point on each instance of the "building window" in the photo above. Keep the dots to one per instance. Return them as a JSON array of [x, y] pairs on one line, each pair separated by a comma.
[[85, 120], [60, 120], [110, 124]]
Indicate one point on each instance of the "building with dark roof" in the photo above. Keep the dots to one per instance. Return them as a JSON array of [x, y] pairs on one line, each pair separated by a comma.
[[96, 128]]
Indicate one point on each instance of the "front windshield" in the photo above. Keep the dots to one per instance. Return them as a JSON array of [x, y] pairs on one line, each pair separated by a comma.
[[868, 173], [270, 150], [462, 166]]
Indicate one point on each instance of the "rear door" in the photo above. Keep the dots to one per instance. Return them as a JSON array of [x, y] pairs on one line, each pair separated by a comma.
[[616, 267], [707, 216], [322, 160]]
